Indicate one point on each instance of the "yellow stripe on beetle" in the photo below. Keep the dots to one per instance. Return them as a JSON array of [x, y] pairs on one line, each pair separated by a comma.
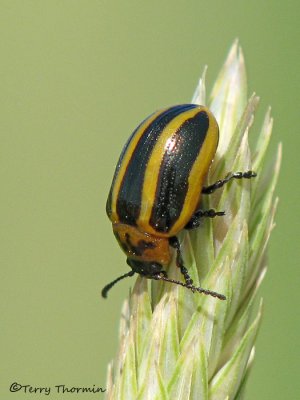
[[198, 174], [126, 158], [163, 145]]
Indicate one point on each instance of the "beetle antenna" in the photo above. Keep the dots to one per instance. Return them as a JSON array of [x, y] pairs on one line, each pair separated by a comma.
[[191, 287], [111, 284]]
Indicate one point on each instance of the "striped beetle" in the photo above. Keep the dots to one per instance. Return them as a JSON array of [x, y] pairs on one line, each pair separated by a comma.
[[157, 187]]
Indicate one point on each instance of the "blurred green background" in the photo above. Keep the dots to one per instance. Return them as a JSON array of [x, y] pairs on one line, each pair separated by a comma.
[[76, 77]]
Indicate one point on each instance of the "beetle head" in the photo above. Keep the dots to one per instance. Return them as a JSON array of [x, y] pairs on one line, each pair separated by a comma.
[[144, 268]]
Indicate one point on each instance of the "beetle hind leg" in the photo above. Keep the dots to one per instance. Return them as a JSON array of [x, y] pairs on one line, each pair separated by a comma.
[[231, 175]]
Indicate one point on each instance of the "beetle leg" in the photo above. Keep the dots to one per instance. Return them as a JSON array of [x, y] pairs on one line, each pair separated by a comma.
[[231, 175], [194, 222], [111, 284], [174, 242]]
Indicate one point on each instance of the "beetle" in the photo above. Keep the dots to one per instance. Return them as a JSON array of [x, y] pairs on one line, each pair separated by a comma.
[[157, 187]]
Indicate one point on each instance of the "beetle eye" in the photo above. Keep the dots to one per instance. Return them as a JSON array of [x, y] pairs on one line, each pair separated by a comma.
[[155, 268]]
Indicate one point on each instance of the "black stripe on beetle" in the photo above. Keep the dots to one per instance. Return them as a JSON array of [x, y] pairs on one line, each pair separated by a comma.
[[130, 193], [175, 169]]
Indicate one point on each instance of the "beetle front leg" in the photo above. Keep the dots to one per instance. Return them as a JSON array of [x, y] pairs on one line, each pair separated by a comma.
[[195, 221], [231, 175], [174, 242]]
